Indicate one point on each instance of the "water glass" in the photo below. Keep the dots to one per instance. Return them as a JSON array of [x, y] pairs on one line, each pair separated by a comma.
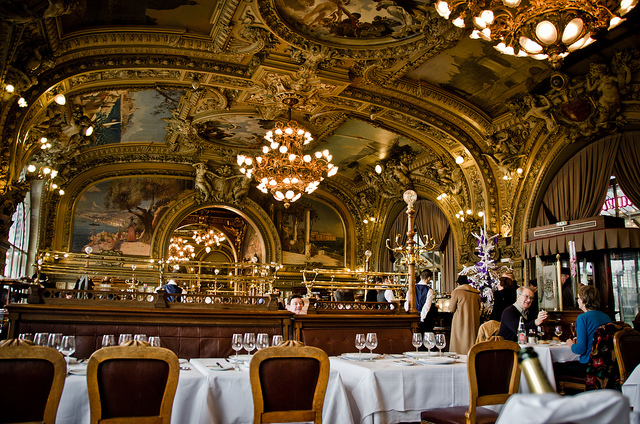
[[429, 341], [124, 338], [441, 342], [108, 340], [249, 342], [277, 339], [41, 339], [371, 342], [236, 344], [54, 340], [360, 344], [262, 341], [154, 341], [558, 331], [25, 336], [540, 332], [416, 340], [68, 346], [140, 338]]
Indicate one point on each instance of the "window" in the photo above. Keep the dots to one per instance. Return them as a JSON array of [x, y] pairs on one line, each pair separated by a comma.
[[618, 204], [16, 265]]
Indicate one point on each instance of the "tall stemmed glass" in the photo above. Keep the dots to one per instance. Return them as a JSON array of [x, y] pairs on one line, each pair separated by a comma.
[[108, 340], [429, 341], [262, 341], [236, 344], [416, 340], [67, 347], [360, 344], [249, 342], [558, 331], [441, 342], [54, 340], [41, 339], [371, 343]]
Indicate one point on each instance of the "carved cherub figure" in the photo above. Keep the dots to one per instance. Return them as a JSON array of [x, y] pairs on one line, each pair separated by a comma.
[[540, 111]]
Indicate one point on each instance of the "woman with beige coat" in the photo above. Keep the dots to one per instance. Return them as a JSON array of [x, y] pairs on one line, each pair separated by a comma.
[[465, 305]]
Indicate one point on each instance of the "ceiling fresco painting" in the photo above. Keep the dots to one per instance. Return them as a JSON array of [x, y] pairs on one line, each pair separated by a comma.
[[335, 20]]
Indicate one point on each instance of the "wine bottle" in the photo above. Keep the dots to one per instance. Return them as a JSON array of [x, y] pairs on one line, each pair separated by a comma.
[[533, 372], [522, 336]]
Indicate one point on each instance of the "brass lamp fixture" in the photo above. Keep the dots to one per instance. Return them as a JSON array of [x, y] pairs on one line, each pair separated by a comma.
[[208, 238], [180, 251], [542, 29], [284, 168]]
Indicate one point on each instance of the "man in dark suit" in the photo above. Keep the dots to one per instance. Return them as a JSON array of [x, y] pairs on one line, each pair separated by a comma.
[[512, 314], [172, 288]]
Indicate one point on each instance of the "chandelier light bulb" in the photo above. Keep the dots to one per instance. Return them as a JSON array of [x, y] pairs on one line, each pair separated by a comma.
[[295, 180], [442, 7], [511, 3], [283, 149], [487, 16], [265, 149], [60, 99], [259, 159], [9, 88], [46, 170], [54, 173], [88, 131], [307, 158], [292, 157], [615, 21], [546, 32], [459, 22], [240, 159], [273, 145], [22, 102], [61, 192], [278, 131], [572, 31], [530, 46], [31, 168]]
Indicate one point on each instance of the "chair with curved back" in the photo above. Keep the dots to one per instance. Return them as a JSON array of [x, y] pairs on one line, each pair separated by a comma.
[[487, 330], [289, 383], [32, 381], [626, 344], [132, 384], [493, 377]]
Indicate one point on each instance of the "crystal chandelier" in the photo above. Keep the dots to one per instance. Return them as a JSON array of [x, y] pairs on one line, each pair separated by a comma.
[[542, 29], [180, 251], [284, 169], [208, 238]]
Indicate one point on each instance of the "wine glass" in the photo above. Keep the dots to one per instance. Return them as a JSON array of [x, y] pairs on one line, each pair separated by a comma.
[[360, 344], [67, 347], [41, 339], [573, 329], [429, 341], [540, 332], [262, 341], [124, 338], [108, 340], [416, 340], [25, 336], [277, 339], [236, 344], [558, 331], [249, 342], [54, 340], [154, 341], [371, 342], [140, 338], [441, 342]]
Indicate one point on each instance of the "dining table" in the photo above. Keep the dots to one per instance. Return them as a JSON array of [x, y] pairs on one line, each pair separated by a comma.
[[394, 388], [548, 354], [189, 406], [230, 400]]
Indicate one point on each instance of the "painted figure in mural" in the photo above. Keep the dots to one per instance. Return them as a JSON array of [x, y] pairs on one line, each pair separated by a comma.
[[607, 88]]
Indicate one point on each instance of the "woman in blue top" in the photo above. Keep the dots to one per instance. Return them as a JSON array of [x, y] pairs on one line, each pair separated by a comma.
[[586, 325]]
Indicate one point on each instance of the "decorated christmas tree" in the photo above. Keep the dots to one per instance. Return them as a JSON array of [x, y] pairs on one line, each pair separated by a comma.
[[485, 273]]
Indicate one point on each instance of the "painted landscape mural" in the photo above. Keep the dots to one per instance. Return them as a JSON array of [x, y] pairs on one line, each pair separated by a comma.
[[120, 215]]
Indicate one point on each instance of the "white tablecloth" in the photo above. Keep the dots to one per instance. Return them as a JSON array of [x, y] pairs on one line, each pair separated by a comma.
[[594, 407], [230, 400], [631, 389], [381, 391], [189, 406]]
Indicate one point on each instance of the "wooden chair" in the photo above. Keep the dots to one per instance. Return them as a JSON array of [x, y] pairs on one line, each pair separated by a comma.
[[32, 381], [132, 384], [493, 377], [289, 384], [626, 344]]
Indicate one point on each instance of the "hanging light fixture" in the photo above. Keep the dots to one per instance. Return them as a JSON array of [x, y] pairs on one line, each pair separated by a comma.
[[542, 29], [284, 168], [180, 251], [208, 238]]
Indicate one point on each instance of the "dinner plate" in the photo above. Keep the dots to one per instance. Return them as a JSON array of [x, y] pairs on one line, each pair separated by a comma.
[[404, 363], [437, 360], [362, 355], [220, 368], [241, 358], [419, 354]]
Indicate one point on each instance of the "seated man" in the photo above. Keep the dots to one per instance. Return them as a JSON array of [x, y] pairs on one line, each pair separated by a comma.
[[512, 314]]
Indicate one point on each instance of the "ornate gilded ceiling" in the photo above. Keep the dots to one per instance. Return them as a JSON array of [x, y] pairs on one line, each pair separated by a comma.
[[180, 82]]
